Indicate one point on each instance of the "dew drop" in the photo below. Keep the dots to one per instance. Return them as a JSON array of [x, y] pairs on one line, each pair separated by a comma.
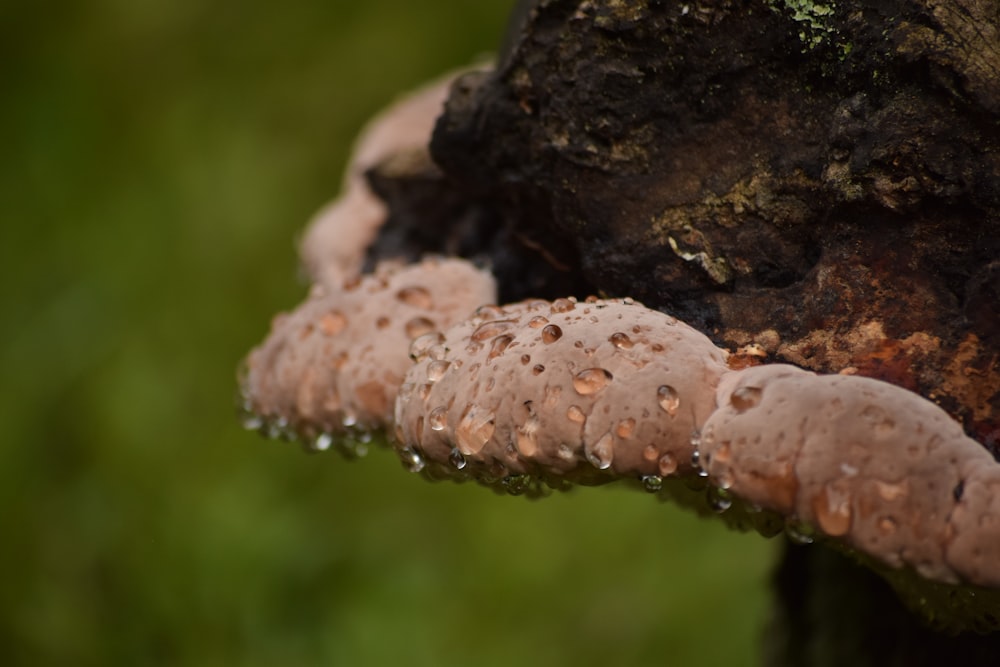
[[475, 429], [538, 369], [718, 499], [602, 452], [491, 329], [418, 326], [625, 428], [537, 322], [436, 370], [652, 483], [417, 297], [411, 459], [575, 414], [800, 533], [833, 510], [621, 341], [527, 437], [500, 343], [591, 380], [332, 323], [438, 418], [563, 305], [456, 459], [668, 399], [421, 345], [650, 452], [489, 312], [565, 452], [744, 398], [350, 419], [667, 465], [322, 442], [725, 480], [551, 333], [525, 359]]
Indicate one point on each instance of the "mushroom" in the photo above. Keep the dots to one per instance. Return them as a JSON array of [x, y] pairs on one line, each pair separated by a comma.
[[335, 363], [333, 246], [561, 391], [884, 471]]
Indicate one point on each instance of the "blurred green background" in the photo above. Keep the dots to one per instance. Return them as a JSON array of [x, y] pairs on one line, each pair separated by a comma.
[[160, 158]]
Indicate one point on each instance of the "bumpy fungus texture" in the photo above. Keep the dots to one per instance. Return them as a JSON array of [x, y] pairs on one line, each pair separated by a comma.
[[334, 364], [539, 395]]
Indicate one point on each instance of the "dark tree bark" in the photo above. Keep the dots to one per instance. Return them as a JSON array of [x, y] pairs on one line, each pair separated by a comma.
[[821, 181]]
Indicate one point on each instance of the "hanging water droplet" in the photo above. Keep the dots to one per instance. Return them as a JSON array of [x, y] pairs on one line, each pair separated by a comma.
[[725, 480], [718, 499], [668, 399], [799, 532], [349, 420], [527, 437], [652, 483], [621, 341], [438, 419], [411, 459], [551, 333], [744, 398], [601, 454], [436, 370], [456, 459], [322, 442], [591, 380], [418, 297]]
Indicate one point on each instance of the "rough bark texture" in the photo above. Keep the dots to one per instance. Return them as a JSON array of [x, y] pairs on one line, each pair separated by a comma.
[[818, 180]]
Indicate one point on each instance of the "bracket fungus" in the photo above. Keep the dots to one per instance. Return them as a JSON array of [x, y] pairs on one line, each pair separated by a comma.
[[544, 394]]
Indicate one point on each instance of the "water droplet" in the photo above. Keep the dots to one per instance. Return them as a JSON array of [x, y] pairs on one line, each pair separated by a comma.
[[332, 323], [832, 507], [628, 301], [563, 305], [322, 442], [552, 395], [799, 532], [725, 480], [537, 322], [538, 369], [350, 419], [475, 429], [591, 380], [667, 465], [625, 428], [421, 345], [436, 370], [491, 329], [411, 459], [489, 312], [551, 333], [621, 341], [565, 452], [718, 499], [668, 399], [527, 437], [418, 326], [744, 398], [500, 344], [575, 414], [525, 359], [456, 459], [418, 297], [650, 452], [887, 525], [652, 483], [601, 454], [438, 419]]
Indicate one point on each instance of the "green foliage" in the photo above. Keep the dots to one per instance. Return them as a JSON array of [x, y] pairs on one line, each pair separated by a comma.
[[160, 158]]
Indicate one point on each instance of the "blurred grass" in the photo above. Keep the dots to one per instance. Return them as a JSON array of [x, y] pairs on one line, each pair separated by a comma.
[[160, 158]]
